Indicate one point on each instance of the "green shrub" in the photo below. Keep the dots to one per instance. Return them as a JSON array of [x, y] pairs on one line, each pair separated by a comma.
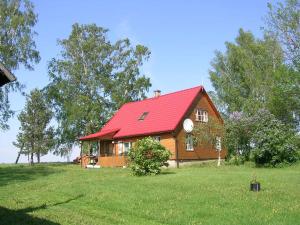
[[147, 157], [261, 138], [274, 144], [236, 160]]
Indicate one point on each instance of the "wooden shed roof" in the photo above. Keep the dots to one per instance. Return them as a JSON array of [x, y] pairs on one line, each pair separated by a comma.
[[5, 75]]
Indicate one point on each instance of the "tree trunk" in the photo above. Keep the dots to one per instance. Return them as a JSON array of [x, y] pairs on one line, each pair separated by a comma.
[[18, 157], [32, 153], [19, 154], [31, 159], [219, 158], [38, 155]]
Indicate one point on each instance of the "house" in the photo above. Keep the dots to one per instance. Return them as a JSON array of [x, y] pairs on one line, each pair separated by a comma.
[[160, 117], [5, 75]]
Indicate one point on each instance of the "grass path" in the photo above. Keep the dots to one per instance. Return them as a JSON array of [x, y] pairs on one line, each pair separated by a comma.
[[66, 194]]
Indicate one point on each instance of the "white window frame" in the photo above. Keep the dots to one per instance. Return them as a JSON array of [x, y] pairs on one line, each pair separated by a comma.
[[189, 145], [202, 115], [120, 148], [156, 138], [125, 149], [218, 144]]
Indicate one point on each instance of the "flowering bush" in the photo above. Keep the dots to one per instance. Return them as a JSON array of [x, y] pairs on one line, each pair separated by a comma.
[[273, 143], [260, 138], [147, 157]]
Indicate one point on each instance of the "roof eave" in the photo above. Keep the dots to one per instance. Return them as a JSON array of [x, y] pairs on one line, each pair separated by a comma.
[[6, 74]]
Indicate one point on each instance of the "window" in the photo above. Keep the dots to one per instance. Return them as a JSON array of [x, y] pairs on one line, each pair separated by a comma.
[[143, 116], [202, 115], [156, 138], [123, 148], [218, 144], [120, 148], [126, 147], [189, 145]]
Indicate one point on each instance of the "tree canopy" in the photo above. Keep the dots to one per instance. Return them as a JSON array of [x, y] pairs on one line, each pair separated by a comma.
[[283, 22], [92, 78], [251, 74], [17, 47], [36, 136]]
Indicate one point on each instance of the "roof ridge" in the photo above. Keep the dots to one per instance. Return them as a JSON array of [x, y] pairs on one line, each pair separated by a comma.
[[175, 92]]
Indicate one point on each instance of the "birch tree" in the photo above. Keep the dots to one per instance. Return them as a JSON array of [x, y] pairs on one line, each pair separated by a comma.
[[17, 47], [90, 79]]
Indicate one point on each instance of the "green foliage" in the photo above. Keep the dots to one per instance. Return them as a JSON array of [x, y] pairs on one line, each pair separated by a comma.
[[148, 156], [235, 160], [273, 143], [241, 76], [91, 79], [207, 133], [260, 138], [17, 47], [239, 129], [251, 75], [283, 22], [35, 136]]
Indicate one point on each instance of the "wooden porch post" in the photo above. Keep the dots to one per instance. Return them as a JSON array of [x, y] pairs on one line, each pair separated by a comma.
[[177, 153], [99, 149], [81, 153]]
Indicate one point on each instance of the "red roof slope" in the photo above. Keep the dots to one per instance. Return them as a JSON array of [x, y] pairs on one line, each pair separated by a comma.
[[164, 114]]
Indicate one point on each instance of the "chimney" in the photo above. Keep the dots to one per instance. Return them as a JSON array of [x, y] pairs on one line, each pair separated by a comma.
[[157, 93]]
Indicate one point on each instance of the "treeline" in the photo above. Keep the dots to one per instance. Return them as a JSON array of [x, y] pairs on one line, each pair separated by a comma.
[[257, 89], [89, 80]]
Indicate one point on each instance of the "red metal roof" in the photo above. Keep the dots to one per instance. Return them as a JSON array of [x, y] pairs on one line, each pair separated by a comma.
[[100, 134], [164, 114]]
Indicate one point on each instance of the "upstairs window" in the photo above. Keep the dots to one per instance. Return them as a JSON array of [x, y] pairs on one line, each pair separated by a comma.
[[143, 116], [202, 115], [189, 145]]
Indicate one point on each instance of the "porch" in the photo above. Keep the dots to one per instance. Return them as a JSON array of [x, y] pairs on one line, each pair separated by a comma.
[[101, 150], [107, 155]]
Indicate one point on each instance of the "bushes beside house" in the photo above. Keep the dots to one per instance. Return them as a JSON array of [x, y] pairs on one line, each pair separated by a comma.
[[147, 156], [260, 138]]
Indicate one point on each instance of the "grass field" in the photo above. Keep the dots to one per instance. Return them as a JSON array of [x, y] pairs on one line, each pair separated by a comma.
[[66, 194]]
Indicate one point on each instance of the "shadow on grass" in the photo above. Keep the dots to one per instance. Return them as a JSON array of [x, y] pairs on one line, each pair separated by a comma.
[[9, 216], [19, 173], [21, 216], [167, 172]]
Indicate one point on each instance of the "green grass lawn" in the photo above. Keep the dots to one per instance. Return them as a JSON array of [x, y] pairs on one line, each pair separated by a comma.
[[66, 194]]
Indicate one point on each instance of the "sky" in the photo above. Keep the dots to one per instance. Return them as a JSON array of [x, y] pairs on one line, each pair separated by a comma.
[[182, 36]]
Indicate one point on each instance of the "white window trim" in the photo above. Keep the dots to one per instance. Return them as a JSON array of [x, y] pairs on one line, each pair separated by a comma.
[[128, 147], [120, 148], [201, 115], [189, 146]]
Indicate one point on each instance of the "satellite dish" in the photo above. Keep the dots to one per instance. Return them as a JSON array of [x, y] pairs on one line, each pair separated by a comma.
[[188, 125]]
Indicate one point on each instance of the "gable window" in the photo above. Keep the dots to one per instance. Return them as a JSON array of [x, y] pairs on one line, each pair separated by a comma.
[[201, 115], [189, 145], [218, 144], [156, 138], [143, 116]]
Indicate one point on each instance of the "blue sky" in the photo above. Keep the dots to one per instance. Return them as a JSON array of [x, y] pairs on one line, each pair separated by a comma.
[[182, 36]]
